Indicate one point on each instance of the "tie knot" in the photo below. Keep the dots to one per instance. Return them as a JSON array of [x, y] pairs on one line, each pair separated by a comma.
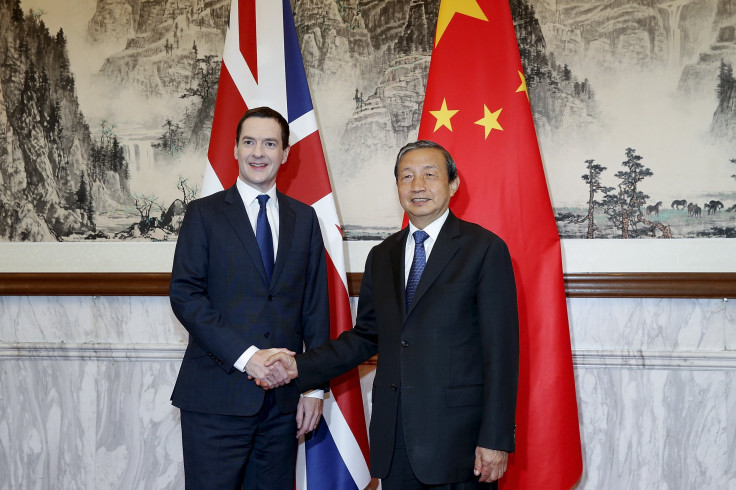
[[262, 199], [419, 236]]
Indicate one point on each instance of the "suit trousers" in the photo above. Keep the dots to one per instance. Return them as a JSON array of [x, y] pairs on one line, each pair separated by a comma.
[[233, 453], [402, 477]]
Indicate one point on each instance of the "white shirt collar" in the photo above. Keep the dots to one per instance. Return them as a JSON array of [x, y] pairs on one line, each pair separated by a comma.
[[433, 229], [249, 193]]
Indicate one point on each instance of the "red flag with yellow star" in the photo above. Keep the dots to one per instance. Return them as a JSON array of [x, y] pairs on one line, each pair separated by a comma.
[[477, 106]]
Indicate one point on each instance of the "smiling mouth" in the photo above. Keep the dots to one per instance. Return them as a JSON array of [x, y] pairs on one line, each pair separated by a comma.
[[257, 164], [420, 199]]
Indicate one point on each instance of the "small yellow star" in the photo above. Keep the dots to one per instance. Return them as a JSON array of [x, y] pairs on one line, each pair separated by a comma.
[[522, 87], [448, 9], [443, 116], [490, 120]]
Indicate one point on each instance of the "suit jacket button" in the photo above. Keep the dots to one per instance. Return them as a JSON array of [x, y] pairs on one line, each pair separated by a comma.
[[267, 334], [404, 343], [394, 387], [270, 297]]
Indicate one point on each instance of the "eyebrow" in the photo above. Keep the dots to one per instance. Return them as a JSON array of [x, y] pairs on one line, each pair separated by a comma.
[[245, 136], [426, 167]]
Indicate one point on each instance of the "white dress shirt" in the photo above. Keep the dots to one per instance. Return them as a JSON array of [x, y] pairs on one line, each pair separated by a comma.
[[433, 230], [249, 195]]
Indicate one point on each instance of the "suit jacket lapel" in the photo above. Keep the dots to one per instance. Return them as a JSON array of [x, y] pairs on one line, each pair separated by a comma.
[[442, 253], [287, 224], [235, 213]]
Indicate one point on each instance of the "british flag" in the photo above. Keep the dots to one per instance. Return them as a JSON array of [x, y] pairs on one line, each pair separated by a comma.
[[262, 65]]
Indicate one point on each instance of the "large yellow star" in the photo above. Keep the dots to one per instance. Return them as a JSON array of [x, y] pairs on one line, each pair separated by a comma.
[[490, 120], [522, 87], [448, 9], [443, 116]]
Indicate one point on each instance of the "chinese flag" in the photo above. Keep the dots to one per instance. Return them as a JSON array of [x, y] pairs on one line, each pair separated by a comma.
[[477, 106]]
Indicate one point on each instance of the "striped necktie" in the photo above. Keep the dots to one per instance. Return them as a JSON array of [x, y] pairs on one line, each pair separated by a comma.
[[264, 237], [417, 266]]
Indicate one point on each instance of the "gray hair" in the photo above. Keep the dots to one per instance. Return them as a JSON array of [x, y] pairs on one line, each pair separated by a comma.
[[420, 144]]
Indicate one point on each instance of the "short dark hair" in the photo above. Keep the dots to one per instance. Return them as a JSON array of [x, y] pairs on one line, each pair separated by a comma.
[[420, 144], [266, 113]]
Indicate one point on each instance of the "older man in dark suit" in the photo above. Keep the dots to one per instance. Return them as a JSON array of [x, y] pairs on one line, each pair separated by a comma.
[[249, 273], [438, 306]]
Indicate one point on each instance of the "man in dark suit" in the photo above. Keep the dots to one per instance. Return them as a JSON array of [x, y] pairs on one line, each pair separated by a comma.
[[438, 306], [249, 273]]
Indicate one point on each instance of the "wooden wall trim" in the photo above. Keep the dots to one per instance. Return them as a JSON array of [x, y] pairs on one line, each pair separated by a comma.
[[651, 285], [85, 284], [589, 285]]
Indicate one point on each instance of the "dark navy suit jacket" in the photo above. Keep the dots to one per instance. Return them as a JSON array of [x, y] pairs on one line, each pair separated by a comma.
[[450, 363], [220, 294]]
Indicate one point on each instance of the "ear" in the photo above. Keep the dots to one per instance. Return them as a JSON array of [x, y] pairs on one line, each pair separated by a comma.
[[454, 185], [286, 154], [235, 151]]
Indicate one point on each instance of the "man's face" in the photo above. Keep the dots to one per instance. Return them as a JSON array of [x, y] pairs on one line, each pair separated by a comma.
[[260, 152], [424, 188]]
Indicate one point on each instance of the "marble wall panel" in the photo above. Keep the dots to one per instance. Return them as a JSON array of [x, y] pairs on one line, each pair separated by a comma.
[[654, 429], [138, 441], [47, 424], [730, 321], [650, 324], [125, 320], [85, 385], [731, 429], [46, 319], [90, 319]]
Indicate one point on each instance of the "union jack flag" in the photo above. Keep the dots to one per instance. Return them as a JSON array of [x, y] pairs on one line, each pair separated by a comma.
[[262, 65]]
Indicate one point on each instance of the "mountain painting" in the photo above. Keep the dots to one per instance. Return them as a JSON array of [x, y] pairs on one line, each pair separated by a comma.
[[105, 113], [106, 108]]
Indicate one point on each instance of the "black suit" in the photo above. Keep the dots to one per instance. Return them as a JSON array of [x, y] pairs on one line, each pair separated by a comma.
[[450, 363], [220, 294]]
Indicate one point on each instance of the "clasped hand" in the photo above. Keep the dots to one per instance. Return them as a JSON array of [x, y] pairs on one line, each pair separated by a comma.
[[272, 375], [271, 368]]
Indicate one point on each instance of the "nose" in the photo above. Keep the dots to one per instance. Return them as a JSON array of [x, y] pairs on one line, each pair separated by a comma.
[[417, 184]]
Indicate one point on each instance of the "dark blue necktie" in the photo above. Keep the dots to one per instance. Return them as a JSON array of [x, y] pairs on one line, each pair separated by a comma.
[[264, 237], [417, 266]]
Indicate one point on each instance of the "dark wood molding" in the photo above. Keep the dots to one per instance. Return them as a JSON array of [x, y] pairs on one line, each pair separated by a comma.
[[589, 285], [85, 284], [651, 285]]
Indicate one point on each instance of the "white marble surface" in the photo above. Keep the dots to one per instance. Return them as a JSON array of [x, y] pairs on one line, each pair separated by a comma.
[[47, 424], [669, 433], [730, 324], [138, 442], [89, 319], [85, 385], [652, 324], [731, 428]]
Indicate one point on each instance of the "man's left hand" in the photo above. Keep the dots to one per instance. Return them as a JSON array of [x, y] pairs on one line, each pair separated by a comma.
[[308, 413], [490, 465]]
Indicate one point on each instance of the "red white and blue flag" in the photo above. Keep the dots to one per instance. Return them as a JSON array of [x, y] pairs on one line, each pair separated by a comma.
[[262, 66]]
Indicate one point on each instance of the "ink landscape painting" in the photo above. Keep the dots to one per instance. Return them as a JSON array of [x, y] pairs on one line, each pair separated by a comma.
[[106, 109]]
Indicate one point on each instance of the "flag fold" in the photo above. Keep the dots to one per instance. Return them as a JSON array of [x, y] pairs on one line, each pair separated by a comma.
[[477, 106], [262, 66]]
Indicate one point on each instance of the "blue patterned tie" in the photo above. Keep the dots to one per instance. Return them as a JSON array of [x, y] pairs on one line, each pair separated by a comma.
[[417, 266], [263, 236]]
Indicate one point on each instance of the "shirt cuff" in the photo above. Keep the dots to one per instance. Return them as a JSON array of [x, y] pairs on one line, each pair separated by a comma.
[[243, 360], [314, 394]]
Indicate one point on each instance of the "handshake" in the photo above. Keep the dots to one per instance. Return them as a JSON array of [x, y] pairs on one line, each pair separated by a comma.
[[271, 368]]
